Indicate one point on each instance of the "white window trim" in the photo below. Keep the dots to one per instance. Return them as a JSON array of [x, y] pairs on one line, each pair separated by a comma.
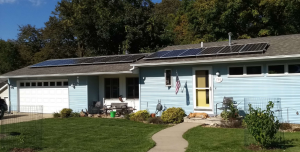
[[171, 78], [245, 71], [276, 75]]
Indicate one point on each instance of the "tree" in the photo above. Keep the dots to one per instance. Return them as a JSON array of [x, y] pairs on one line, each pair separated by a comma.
[[9, 56]]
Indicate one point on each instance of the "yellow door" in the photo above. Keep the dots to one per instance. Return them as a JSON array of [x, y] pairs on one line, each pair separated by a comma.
[[202, 88]]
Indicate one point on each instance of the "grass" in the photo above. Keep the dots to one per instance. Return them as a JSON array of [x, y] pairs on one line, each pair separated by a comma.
[[202, 139], [84, 134]]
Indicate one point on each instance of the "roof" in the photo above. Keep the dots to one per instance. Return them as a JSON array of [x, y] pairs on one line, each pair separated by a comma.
[[3, 82], [279, 47]]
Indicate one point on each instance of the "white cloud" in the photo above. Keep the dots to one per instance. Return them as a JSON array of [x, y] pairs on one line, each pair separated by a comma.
[[36, 2], [7, 1]]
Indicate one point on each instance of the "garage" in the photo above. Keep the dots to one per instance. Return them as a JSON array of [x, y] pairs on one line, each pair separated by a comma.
[[51, 94]]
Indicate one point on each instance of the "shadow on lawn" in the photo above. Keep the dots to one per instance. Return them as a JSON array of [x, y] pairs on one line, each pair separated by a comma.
[[284, 144]]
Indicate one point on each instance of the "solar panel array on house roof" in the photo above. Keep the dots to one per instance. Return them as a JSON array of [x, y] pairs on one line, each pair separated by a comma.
[[91, 60], [218, 50]]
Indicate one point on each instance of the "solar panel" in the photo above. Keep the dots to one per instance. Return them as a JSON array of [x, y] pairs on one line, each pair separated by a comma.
[[211, 51], [191, 52], [118, 59], [104, 60], [173, 54], [258, 47], [133, 58], [231, 49], [157, 54]]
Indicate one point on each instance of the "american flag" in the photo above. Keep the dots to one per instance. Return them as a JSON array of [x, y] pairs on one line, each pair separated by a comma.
[[177, 83]]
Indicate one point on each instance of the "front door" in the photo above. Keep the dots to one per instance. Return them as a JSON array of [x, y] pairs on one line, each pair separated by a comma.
[[202, 88]]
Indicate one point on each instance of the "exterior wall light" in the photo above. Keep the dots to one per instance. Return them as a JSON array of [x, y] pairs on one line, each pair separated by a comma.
[[11, 86], [218, 73], [73, 85]]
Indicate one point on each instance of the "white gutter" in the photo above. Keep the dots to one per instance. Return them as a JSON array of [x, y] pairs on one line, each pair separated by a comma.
[[212, 61], [3, 87], [61, 75]]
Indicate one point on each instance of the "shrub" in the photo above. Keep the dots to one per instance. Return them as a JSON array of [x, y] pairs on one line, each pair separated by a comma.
[[65, 113], [141, 115], [155, 120], [262, 125], [75, 114], [56, 115], [173, 115], [285, 126], [127, 116], [232, 113]]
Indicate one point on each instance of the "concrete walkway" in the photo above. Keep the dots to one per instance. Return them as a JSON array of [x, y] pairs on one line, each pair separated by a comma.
[[171, 140]]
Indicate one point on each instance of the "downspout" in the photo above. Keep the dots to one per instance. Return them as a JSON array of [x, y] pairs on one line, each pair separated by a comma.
[[132, 68]]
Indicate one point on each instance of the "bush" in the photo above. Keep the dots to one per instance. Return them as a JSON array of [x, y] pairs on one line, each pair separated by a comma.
[[262, 125], [173, 115], [141, 115], [127, 116], [231, 114], [75, 114], [56, 115], [65, 113], [155, 120], [285, 126]]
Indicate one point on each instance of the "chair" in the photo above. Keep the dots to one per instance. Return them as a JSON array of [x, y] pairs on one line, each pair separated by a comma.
[[95, 107]]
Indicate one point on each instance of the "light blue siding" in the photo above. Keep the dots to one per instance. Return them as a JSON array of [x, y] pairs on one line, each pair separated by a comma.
[[153, 88], [78, 97], [13, 94], [285, 87]]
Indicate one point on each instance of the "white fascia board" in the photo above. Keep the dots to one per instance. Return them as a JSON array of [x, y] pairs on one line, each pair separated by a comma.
[[3, 87], [215, 61], [70, 74]]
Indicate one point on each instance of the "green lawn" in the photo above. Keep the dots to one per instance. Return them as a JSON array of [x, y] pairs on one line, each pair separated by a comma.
[[85, 134], [203, 139]]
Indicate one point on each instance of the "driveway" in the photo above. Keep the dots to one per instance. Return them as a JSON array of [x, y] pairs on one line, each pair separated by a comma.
[[22, 117]]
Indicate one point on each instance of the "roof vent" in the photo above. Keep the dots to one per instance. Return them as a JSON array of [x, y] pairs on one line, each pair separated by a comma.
[[229, 34], [201, 44]]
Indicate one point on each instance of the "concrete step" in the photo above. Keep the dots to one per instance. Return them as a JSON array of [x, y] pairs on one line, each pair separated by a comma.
[[210, 121]]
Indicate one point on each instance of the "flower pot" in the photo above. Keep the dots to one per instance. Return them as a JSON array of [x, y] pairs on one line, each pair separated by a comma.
[[153, 115]]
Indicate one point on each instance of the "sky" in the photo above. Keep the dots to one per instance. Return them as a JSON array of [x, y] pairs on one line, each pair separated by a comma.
[[22, 12]]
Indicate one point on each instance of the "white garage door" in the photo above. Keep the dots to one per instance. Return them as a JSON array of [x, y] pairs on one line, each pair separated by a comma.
[[52, 95]]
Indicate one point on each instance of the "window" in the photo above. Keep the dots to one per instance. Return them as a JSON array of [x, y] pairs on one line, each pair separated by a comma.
[[236, 70], [253, 70], [168, 77], [66, 83], [276, 69], [33, 84], [294, 68], [58, 83], [27, 84], [40, 84], [46, 84], [52, 84], [132, 87], [22, 84], [111, 87]]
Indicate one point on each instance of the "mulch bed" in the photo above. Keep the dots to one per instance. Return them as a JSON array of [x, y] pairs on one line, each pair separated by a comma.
[[22, 150]]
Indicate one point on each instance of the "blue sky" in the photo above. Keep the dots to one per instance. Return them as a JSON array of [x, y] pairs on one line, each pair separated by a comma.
[[22, 12]]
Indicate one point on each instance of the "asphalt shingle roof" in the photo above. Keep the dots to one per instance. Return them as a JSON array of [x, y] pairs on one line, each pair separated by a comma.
[[278, 45]]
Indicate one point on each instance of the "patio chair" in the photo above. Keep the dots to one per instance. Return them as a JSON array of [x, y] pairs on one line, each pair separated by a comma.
[[95, 107]]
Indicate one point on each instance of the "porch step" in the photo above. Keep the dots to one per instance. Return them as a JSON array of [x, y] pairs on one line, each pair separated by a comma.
[[210, 121]]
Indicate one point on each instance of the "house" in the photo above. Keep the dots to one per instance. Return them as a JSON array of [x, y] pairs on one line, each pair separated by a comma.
[[259, 67], [4, 90]]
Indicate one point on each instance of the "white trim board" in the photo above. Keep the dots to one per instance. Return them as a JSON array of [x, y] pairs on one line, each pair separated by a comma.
[[69, 74], [228, 60], [3, 87]]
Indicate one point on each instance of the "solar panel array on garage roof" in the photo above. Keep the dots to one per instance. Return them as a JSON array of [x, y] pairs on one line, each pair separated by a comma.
[[91, 60], [218, 50]]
